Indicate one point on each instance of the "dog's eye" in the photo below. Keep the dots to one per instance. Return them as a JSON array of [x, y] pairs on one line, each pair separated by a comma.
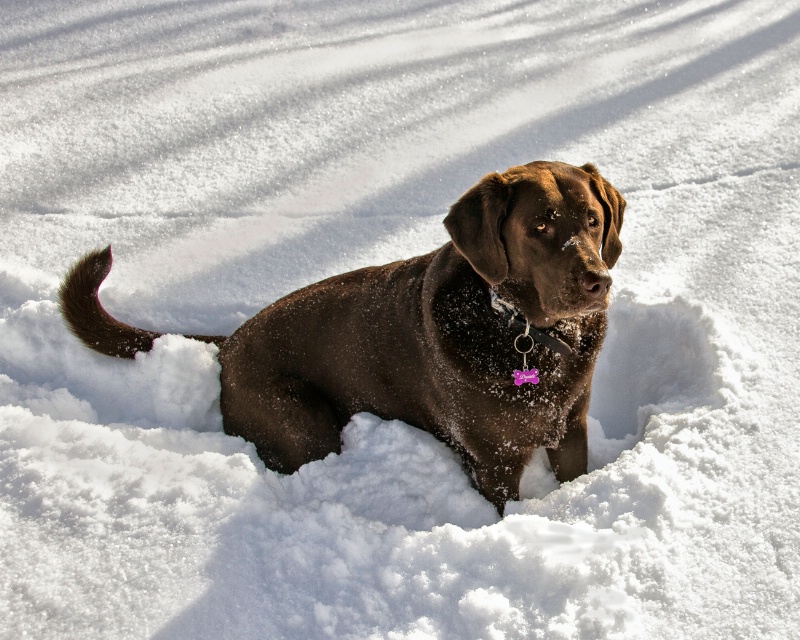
[[593, 220]]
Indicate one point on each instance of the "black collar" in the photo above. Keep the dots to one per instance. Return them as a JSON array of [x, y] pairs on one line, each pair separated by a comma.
[[516, 319]]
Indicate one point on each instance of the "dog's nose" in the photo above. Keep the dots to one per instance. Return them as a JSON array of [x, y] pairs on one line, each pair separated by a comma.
[[596, 283]]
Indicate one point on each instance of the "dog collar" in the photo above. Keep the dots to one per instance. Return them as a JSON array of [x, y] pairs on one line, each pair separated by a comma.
[[516, 319]]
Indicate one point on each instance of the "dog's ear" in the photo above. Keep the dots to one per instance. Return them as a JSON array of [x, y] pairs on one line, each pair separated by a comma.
[[614, 205], [474, 225]]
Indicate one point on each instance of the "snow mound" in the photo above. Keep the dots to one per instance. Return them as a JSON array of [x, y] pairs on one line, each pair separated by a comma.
[[657, 357], [660, 359], [175, 385], [392, 473]]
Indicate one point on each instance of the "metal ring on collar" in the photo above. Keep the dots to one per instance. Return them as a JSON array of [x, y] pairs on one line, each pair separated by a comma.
[[516, 340]]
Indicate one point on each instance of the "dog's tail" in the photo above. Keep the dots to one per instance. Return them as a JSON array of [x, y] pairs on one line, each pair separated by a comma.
[[91, 323]]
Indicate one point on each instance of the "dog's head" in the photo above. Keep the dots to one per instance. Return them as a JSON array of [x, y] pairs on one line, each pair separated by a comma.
[[544, 234]]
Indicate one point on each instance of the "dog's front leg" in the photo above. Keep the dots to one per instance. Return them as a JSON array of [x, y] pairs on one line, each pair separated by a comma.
[[570, 459], [498, 481]]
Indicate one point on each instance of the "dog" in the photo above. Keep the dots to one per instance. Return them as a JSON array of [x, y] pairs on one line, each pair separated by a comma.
[[488, 343]]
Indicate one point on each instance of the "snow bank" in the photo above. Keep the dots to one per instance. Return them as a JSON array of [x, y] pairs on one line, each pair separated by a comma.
[[389, 539], [174, 385]]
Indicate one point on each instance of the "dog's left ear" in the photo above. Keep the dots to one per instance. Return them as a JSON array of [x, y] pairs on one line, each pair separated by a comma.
[[614, 205], [474, 226]]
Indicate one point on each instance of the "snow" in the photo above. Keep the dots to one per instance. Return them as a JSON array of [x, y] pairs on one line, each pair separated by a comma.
[[232, 151]]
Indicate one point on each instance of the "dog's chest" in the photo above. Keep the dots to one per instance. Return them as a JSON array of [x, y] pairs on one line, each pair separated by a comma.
[[538, 379], [474, 359], [529, 397]]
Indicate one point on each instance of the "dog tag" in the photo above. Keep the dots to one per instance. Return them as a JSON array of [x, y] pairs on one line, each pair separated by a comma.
[[529, 376], [522, 377]]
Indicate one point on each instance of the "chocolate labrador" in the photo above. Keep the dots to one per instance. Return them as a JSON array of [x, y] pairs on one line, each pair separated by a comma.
[[488, 343]]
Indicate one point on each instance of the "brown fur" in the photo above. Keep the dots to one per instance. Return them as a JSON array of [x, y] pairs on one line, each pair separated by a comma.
[[418, 341]]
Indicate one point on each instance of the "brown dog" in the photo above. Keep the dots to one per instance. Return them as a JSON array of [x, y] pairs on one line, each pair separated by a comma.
[[434, 341]]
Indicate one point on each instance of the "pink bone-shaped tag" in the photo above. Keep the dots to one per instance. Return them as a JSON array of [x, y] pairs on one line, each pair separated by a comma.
[[521, 377]]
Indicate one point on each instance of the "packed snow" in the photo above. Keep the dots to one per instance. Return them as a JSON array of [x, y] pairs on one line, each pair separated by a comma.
[[234, 150]]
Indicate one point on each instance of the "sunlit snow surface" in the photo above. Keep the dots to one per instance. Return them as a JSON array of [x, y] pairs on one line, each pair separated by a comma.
[[234, 151]]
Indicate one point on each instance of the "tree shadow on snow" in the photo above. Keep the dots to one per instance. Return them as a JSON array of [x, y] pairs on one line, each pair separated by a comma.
[[432, 191]]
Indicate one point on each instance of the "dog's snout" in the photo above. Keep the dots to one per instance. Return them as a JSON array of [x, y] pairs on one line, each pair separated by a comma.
[[596, 283]]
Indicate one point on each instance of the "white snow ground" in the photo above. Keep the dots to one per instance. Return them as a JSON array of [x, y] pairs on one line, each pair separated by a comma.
[[232, 151]]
